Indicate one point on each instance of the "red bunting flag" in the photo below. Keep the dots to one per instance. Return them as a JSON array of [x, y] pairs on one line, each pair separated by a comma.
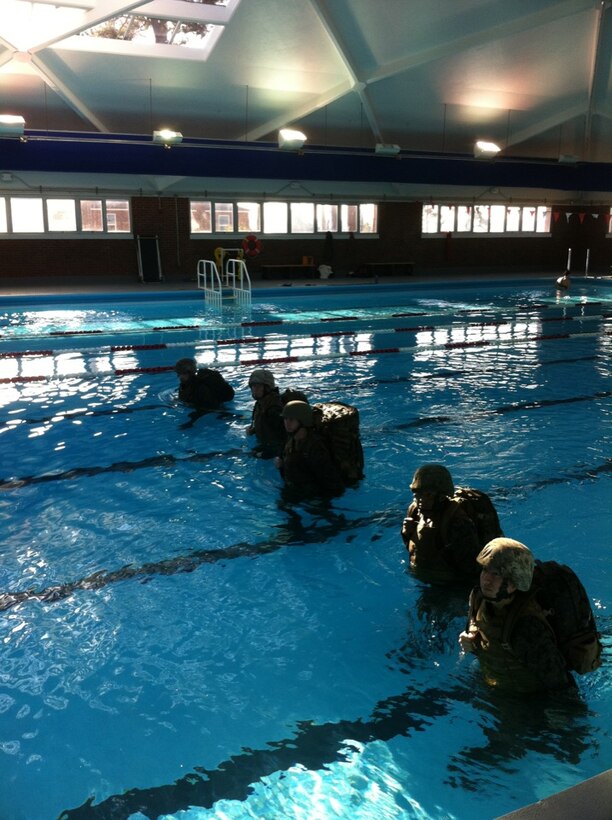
[[556, 216], [581, 217]]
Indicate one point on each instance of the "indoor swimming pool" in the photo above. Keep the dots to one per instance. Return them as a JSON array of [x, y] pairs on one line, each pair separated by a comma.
[[179, 641]]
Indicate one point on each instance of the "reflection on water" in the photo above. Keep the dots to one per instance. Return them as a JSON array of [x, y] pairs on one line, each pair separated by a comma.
[[177, 634]]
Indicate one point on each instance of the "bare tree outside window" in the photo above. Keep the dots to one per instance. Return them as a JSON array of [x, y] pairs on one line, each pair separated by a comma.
[[135, 28]]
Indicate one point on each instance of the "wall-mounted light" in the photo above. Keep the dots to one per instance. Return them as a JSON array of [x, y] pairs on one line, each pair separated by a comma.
[[385, 149], [11, 125], [291, 140], [485, 150], [167, 137]]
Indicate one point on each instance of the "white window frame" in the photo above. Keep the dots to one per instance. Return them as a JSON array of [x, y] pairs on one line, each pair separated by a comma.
[[446, 216], [79, 232], [318, 232]]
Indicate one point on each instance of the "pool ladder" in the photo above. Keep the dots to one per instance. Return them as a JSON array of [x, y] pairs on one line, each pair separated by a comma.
[[233, 286]]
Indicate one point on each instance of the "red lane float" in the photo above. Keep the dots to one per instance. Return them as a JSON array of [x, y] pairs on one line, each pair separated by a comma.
[[19, 379], [129, 371], [280, 359], [117, 348], [19, 354]]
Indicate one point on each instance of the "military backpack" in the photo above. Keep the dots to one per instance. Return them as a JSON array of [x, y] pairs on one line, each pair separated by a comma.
[[213, 380], [338, 423], [479, 508], [291, 394], [567, 611]]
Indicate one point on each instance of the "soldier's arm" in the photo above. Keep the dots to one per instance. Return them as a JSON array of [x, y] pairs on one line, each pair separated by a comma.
[[324, 469], [462, 545]]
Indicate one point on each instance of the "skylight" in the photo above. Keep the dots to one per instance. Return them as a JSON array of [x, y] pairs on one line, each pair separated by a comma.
[[151, 30]]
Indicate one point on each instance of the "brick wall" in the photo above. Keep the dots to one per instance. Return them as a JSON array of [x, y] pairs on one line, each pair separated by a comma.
[[399, 240]]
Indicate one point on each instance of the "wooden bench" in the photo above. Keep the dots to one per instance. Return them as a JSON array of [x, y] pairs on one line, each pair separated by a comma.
[[389, 268]]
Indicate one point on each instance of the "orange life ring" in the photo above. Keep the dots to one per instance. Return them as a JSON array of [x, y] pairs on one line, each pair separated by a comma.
[[251, 245]]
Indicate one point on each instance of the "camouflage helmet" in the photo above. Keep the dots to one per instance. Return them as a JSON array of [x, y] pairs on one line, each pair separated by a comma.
[[299, 410], [185, 366], [433, 478], [510, 559], [261, 376]]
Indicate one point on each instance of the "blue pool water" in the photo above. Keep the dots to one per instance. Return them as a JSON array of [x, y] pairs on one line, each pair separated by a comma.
[[178, 642]]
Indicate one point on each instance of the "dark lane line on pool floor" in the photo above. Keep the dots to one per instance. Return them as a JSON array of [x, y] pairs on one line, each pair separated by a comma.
[[292, 534], [168, 459], [313, 746], [69, 415]]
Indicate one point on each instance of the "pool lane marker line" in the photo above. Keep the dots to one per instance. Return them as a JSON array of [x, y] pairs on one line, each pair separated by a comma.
[[130, 371], [168, 459], [514, 342], [69, 415], [312, 746], [292, 536], [487, 310], [203, 344]]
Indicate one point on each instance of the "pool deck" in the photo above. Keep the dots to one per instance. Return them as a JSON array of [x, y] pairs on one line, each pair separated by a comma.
[[43, 286]]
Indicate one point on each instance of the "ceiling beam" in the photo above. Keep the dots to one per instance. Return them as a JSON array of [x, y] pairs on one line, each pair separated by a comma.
[[105, 10], [599, 73], [556, 119], [297, 114], [192, 12], [66, 93], [529, 21], [343, 52]]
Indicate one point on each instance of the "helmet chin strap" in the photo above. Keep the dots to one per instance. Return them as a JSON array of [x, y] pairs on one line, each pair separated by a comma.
[[502, 593]]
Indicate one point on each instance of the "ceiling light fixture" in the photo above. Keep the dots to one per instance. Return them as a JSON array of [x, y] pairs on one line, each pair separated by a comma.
[[167, 137], [384, 149], [485, 150], [291, 140], [11, 125]]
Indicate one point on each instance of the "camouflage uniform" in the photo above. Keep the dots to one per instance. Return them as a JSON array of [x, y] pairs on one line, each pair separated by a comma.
[[442, 544], [267, 420], [308, 468], [205, 390], [530, 661]]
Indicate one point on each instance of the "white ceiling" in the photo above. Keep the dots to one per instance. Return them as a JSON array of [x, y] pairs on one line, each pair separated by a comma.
[[429, 75]]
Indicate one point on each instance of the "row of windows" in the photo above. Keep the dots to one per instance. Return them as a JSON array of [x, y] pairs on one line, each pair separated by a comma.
[[282, 218], [38, 215], [525, 219]]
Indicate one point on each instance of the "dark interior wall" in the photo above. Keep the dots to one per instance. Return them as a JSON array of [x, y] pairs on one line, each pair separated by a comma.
[[399, 240]]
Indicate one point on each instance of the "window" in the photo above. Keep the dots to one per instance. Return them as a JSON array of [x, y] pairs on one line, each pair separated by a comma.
[[485, 219], [249, 219], [27, 215], [61, 215], [201, 217], [302, 217], [349, 216], [368, 218], [118, 216], [327, 218], [275, 217], [54, 215], [280, 217], [91, 215], [224, 217]]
